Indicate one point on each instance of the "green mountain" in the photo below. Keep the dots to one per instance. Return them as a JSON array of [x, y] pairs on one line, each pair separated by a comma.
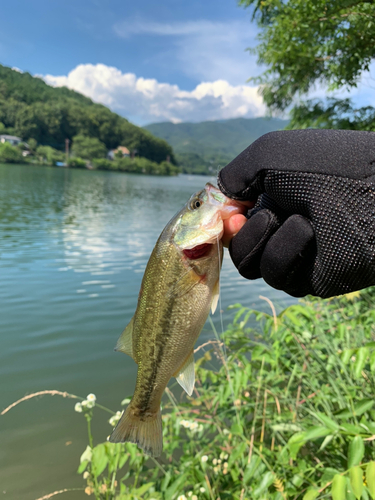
[[203, 147], [31, 109]]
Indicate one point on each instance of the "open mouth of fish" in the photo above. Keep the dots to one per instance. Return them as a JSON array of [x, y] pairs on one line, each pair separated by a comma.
[[197, 252]]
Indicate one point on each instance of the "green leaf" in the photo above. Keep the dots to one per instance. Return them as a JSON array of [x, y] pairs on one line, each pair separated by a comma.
[[86, 455], [99, 459], [165, 481], [359, 409], [363, 406], [143, 489], [372, 362], [251, 468], [338, 488], [361, 358], [328, 422], [300, 438], [353, 429], [370, 478], [349, 490], [236, 429], [356, 451], [175, 486], [310, 494], [346, 355], [326, 441], [236, 453], [123, 459], [266, 481], [82, 466], [355, 474]]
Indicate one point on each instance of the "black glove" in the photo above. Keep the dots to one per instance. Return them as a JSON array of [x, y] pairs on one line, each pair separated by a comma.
[[312, 230]]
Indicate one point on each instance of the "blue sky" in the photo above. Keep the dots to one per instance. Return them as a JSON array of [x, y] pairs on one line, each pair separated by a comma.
[[149, 61]]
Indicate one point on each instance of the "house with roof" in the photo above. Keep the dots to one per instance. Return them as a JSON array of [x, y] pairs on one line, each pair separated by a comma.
[[12, 139], [120, 149]]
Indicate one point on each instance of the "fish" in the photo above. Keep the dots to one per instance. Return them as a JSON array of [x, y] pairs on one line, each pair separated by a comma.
[[179, 287]]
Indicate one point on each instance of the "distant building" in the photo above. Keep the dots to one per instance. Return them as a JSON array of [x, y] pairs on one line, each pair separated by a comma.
[[112, 153], [12, 139]]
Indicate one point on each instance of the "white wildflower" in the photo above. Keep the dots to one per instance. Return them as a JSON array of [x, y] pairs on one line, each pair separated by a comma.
[[193, 426], [186, 423], [219, 461], [202, 490], [86, 475], [225, 465], [190, 493], [204, 458], [226, 456], [125, 401], [91, 397], [216, 469], [225, 431], [181, 497], [90, 404], [115, 418], [222, 454], [84, 403], [214, 461], [194, 497], [78, 407]]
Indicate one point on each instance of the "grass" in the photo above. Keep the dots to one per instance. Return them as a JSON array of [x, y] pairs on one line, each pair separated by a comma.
[[287, 412]]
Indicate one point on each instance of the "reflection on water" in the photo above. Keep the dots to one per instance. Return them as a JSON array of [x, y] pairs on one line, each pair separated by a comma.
[[74, 245]]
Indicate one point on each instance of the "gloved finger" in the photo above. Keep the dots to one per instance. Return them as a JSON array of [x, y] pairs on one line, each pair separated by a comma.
[[286, 263], [247, 246], [343, 153]]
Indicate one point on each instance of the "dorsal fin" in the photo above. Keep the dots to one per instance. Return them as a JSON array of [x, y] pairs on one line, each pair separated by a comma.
[[215, 296], [125, 342], [186, 376]]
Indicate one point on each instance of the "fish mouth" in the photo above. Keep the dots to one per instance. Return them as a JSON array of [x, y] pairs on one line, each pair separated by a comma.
[[197, 252]]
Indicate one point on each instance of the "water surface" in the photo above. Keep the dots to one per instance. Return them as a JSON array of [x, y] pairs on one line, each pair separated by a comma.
[[74, 245]]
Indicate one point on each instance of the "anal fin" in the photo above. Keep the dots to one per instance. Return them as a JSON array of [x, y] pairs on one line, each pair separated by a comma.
[[186, 375], [125, 342]]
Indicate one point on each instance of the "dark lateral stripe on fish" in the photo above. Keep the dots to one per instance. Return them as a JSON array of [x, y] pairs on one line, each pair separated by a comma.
[[197, 252], [144, 398]]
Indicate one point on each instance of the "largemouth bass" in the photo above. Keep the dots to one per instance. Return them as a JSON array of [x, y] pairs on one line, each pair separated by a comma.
[[180, 285]]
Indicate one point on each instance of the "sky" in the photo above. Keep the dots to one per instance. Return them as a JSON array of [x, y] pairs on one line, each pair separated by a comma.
[[166, 60]]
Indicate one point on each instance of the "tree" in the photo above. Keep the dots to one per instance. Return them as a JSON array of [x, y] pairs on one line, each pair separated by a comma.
[[88, 147], [10, 154], [49, 155], [310, 42]]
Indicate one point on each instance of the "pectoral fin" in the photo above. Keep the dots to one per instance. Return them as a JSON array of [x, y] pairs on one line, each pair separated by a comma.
[[186, 375], [215, 296], [125, 342], [185, 283]]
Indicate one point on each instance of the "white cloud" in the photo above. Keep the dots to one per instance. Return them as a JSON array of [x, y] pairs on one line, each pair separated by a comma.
[[202, 49], [147, 100]]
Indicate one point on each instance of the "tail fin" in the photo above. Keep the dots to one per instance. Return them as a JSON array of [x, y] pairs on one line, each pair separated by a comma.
[[145, 431]]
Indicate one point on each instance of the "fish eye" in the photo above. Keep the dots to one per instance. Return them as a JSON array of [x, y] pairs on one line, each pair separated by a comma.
[[195, 204]]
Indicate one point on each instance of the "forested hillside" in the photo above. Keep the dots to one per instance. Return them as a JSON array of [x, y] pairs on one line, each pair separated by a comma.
[[202, 147], [31, 109]]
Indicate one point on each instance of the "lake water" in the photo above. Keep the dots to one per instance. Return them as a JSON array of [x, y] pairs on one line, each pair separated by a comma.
[[73, 248]]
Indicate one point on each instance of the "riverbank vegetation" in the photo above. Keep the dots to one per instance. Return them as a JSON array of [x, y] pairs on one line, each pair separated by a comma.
[[284, 408], [31, 109], [90, 154]]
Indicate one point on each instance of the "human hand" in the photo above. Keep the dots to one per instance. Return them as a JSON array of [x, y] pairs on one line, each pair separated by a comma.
[[313, 228]]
